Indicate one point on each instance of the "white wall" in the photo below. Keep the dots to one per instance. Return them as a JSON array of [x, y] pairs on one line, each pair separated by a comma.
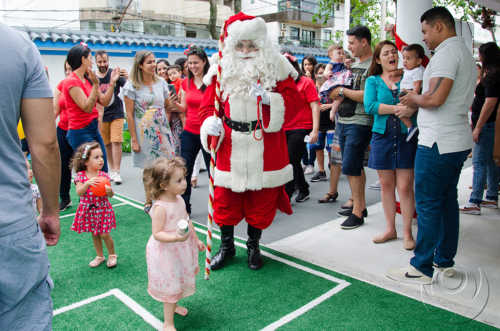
[[258, 7], [55, 64]]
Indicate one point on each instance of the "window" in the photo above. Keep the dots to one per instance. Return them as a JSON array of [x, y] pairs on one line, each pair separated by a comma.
[[328, 34], [190, 34], [308, 37], [92, 25], [294, 33]]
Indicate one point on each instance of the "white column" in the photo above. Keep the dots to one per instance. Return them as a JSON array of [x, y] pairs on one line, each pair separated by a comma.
[[383, 16], [408, 14], [347, 20]]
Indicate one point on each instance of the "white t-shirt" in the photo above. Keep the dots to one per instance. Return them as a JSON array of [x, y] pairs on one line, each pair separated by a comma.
[[448, 125], [411, 76]]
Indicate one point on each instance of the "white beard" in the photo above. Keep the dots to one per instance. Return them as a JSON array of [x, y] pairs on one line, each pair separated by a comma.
[[238, 73]]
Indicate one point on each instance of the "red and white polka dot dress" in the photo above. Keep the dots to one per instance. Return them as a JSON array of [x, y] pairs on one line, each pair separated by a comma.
[[94, 214]]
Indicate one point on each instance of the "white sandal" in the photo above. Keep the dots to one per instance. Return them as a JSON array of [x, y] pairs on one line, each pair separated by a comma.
[[97, 261], [112, 261]]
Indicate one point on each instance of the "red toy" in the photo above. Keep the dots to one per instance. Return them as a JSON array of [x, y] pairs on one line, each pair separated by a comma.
[[99, 189]]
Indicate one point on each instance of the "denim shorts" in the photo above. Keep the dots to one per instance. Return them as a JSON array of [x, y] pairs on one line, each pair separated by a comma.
[[353, 140], [324, 139], [390, 150], [25, 302]]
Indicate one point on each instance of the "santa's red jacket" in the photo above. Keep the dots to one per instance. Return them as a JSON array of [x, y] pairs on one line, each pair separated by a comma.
[[243, 162]]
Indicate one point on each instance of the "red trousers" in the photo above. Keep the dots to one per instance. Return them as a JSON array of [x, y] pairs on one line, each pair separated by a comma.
[[257, 207]]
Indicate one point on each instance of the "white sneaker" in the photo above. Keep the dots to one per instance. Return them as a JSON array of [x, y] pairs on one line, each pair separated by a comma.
[[117, 178], [409, 275], [309, 170], [449, 272], [111, 175]]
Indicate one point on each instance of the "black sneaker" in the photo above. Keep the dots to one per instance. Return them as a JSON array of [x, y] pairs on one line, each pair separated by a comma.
[[64, 204], [352, 222], [348, 212], [302, 196], [319, 176]]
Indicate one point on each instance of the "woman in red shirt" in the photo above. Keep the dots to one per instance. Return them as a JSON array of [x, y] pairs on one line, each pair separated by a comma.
[[305, 123], [81, 93], [64, 147], [191, 94]]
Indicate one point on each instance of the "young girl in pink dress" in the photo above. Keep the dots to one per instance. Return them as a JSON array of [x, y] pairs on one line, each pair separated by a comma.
[[94, 213], [172, 257]]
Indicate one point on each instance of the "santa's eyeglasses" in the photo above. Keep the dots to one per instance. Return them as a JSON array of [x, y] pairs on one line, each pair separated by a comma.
[[249, 45]]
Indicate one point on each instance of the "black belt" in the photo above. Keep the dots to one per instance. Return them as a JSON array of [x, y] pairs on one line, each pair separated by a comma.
[[240, 126]]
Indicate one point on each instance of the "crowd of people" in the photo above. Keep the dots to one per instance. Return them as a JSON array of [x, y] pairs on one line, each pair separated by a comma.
[[406, 121]]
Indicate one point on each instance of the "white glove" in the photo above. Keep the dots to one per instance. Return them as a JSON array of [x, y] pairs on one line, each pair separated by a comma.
[[213, 126], [258, 91]]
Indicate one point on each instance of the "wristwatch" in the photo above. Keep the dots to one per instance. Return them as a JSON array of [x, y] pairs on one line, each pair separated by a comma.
[[341, 92]]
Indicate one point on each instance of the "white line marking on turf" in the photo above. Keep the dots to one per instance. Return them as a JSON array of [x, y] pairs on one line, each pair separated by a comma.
[[125, 299], [304, 309], [341, 284], [138, 309], [73, 214], [81, 303], [129, 203]]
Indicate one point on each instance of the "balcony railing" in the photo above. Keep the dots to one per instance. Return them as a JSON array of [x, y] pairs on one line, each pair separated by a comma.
[[300, 5], [315, 43]]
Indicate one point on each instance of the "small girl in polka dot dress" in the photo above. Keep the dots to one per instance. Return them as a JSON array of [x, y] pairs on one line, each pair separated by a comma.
[[94, 213]]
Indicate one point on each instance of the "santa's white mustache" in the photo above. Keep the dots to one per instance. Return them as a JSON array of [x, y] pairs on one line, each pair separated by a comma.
[[242, 55]]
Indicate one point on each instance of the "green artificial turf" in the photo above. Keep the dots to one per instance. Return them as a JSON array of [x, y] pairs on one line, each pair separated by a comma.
[[235, 298]]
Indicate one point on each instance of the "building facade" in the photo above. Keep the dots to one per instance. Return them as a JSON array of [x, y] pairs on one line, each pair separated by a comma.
[[179, 18]]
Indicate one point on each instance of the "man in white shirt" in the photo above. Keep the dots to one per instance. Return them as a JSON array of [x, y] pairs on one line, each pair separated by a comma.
[[445, 140]]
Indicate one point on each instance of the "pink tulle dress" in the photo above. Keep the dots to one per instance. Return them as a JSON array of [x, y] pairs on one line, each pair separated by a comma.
[[172, 267], [94, 214]]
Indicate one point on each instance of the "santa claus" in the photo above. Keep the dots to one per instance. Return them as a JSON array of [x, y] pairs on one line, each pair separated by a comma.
[[256, 96]]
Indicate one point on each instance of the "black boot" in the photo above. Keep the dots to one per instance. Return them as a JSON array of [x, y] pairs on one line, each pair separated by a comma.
[[254, 259], [226, 250]]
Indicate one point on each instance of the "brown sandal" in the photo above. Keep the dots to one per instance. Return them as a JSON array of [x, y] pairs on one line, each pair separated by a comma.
[[329, 197], [344, 206]]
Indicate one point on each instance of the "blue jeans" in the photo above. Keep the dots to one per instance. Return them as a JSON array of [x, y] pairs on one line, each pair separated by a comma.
[[66, 152], [485, 169], [190, 146], [436, 179], [25, 285], [85, 135]]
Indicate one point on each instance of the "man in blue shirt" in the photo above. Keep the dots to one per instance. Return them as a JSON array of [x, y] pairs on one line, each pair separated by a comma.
[[25, 302]]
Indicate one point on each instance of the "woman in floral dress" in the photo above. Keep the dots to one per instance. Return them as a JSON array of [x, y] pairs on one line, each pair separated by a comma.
[[147, 100]]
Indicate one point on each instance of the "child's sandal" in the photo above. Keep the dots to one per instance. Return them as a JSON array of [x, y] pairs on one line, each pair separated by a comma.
[[112, 261], [97, 261]]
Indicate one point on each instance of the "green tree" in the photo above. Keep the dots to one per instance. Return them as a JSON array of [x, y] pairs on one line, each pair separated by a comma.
[[367, 12], [469, 10], [212, 22]]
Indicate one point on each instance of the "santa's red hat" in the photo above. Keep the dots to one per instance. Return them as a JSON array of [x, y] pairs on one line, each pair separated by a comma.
[[244, 27]]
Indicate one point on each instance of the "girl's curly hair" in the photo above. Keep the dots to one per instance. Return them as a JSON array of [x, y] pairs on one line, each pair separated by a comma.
[[158, 174], [82, 155]]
